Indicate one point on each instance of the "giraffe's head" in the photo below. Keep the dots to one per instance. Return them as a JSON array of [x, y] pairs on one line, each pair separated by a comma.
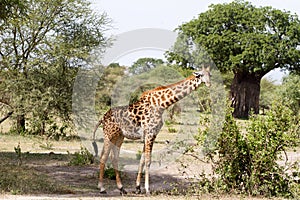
[[203, 76]]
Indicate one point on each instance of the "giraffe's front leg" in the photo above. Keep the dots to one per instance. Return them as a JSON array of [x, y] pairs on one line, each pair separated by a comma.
[[148, 150], [147, 168]]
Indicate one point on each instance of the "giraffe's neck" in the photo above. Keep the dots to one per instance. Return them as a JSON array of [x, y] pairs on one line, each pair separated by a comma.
[[165, 96]]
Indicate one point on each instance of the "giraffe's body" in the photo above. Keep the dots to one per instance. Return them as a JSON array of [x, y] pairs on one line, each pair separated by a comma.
[[142, 120]]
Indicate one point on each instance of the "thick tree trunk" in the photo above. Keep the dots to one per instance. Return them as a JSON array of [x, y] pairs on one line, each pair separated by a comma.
[[245, 90], [21, 123]]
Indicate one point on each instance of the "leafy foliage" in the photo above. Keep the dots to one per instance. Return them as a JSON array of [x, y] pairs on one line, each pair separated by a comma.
[[267, 93], [268, 137], [290, 92], [243, 39], [247, 161], [7, 7], [41, 52], [238, 35], [83, 157], [135, 96], [111, 75], [144, 64]]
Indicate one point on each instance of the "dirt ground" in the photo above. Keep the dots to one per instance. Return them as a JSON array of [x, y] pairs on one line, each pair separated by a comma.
[[83, 182], [166, 183], [128, 197], [167, 180], [52, 158]]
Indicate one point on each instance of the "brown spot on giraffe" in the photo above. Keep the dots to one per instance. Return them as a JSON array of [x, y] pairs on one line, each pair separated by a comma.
[[142, 120]]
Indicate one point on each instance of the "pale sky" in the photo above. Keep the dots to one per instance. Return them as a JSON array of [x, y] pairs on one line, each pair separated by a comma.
[[128, 15]]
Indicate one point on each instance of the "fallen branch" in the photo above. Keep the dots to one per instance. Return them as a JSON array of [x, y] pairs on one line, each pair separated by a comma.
[[198, 158]]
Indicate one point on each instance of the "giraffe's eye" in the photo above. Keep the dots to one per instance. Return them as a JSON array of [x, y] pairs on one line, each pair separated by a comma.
[[198, 74]]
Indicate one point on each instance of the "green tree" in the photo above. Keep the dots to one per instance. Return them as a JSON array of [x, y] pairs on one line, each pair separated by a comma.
[[107, 83], [290, 92], [246, 40], [144, 65], [7, 7], [267, 93], [40, 53]]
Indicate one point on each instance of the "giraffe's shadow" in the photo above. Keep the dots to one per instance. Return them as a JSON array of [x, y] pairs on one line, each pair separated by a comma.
[[81, 181], [160, 183]]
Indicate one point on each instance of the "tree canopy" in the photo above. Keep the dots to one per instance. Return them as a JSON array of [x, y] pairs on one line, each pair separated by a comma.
[[40, 53], [241, 37], [7, 7], [247, 40], [290, 92], [144, 65]]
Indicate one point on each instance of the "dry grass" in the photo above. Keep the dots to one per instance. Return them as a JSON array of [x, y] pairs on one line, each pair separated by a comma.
[[34, 144]]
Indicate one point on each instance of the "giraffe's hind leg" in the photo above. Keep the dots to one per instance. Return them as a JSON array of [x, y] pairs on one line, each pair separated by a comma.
[[103, 158], [115, 162], [140, 171]]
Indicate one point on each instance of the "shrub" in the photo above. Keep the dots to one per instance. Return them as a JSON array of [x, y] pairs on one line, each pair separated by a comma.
[[172, 130], [289, 91], [83, 157], [247, 162], [233, 156], [139, 154], [109, 172], [268, 137]]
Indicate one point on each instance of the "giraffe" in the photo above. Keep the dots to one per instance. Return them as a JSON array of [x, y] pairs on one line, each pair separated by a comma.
[[142, 120]]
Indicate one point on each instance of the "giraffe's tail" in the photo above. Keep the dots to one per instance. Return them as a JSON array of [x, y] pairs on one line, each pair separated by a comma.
[[94, 138], [97, 125]]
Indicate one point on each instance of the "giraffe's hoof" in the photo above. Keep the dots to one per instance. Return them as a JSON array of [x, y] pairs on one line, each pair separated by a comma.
[[148, 194], [123, 191], [138, 190], [103, 192]]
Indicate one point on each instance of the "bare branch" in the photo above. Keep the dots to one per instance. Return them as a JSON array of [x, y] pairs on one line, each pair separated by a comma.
[[6, 116]]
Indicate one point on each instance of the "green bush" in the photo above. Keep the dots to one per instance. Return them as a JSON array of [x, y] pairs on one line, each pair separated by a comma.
[[233, 156], [139, 154], [109, 172], [83, 157], [267, 94], [289, 91], [268, 138], [172, 130], [247, 161]]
